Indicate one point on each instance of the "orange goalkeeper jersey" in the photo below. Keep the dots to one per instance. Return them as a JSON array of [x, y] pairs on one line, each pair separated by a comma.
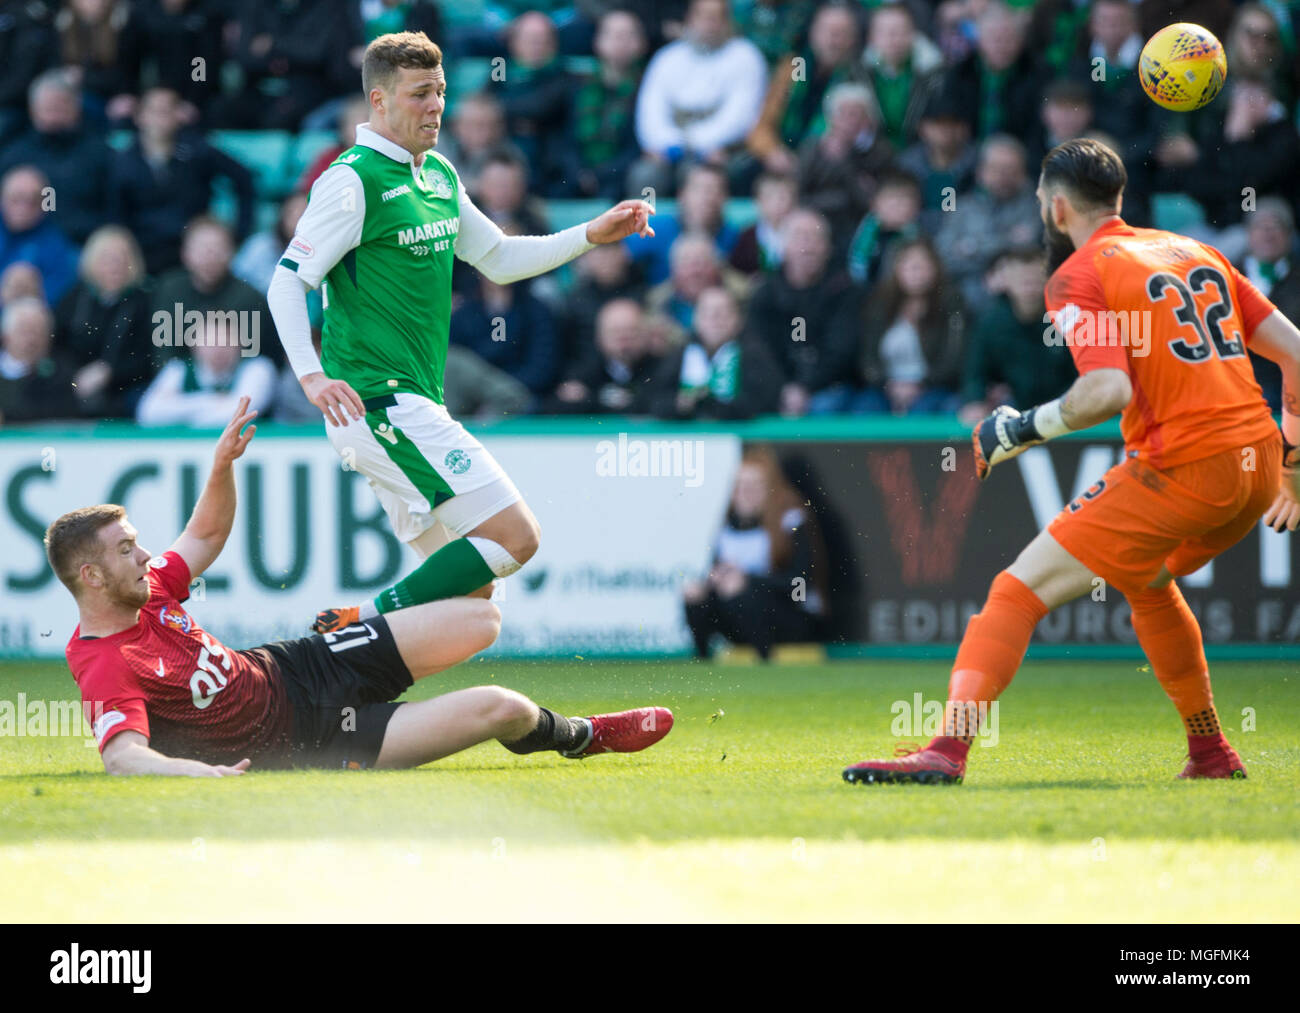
[[1176, 316]]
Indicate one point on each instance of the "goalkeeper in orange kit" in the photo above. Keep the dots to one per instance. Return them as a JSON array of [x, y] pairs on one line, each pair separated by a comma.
[[1203, 460]]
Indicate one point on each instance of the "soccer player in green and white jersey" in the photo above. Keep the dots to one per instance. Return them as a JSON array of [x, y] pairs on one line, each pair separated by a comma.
[[380, 230]]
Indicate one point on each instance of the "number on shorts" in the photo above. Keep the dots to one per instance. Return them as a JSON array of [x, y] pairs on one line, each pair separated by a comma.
[[1091, 493], [350, 636]]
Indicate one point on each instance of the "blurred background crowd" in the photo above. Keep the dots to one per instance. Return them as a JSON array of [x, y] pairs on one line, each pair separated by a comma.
[[846, 220]]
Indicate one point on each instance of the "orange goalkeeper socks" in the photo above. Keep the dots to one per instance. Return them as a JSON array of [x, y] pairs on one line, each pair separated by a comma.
[[992, 649], [1171, 638]]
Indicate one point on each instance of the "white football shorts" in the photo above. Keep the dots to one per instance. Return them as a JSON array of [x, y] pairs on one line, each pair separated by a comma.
[[423, 465]]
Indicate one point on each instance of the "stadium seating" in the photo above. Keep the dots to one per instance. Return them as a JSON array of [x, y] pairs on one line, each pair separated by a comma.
[[307, 149], [464, 13], [266, 153], [464, 77], [1176, 212]]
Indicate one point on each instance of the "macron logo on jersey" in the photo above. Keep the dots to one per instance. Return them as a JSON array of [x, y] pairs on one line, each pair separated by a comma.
[[396, 191], [429, 230]]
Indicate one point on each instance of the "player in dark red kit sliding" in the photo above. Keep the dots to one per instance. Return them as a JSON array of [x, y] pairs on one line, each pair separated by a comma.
[[166, 697]]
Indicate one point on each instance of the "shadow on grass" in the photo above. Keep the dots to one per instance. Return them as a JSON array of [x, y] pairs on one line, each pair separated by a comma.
[[1051, 785], [343, 776]]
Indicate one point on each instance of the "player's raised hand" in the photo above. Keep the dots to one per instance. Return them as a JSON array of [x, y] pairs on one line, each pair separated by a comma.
[[1284, 514], [335, 398], [234, 439], [622, 220]]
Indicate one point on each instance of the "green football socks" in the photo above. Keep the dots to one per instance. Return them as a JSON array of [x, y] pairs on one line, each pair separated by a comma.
[[458, 568]]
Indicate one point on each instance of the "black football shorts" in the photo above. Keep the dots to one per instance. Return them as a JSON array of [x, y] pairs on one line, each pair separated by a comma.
[[340, 688]]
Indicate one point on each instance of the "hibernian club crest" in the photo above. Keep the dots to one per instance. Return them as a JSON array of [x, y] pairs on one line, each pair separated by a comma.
[[436, 183]]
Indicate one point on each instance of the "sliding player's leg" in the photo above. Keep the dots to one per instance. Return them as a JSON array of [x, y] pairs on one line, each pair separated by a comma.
[[422, 732], [437, 635], [342, 686]]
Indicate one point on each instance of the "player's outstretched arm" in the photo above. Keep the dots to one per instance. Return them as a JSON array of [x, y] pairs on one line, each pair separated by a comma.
[[507, 259], [209, 526], [1094, 397], [1278, 339], [128, 753], [622, 220], [1006, 433]]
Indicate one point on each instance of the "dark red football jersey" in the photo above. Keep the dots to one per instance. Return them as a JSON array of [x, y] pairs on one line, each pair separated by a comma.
[[170, 680]]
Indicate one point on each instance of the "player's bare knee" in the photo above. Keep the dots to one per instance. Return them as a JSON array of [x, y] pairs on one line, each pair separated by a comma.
[[511, 715], [519, 711], [485, 621], [525, 540]]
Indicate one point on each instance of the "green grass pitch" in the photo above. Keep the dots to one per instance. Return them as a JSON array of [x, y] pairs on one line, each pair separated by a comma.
[[739, 814]]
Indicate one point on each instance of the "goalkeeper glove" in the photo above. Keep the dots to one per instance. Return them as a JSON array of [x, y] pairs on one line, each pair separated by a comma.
[[1007, 433]]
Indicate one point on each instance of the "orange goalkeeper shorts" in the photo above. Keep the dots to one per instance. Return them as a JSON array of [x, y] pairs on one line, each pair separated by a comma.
[[1137, 519]]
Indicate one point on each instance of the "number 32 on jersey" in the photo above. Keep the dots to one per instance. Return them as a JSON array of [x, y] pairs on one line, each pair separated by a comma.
[[1207, 323]]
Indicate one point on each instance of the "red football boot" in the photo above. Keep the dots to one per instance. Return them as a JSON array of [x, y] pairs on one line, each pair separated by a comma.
[[625, 732], [1222, 762], [918, 766]]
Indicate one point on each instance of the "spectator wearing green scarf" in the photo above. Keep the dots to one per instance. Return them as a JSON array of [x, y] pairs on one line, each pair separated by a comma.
[[793, 107], [720, 373]]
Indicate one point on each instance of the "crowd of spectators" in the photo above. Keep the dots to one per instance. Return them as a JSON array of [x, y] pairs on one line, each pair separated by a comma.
[[848, 219]]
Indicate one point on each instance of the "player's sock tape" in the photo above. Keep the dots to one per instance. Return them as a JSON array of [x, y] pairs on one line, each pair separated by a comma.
[[499, 561]]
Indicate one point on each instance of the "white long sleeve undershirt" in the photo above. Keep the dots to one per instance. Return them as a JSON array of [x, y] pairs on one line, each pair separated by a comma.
[[512, 258], [287, 299]]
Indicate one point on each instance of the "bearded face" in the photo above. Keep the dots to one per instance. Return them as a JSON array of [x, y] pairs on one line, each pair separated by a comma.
[[124, 566], [1059, 244], [129, 589]]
